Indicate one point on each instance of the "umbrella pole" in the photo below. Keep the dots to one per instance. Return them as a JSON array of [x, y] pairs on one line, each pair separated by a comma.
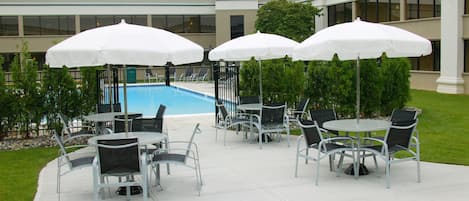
[[260, 80], [358, 91], [126, 122]]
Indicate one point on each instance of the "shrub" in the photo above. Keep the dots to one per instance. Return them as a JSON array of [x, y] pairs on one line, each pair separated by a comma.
[[62, 96], [29, 102], [332, 84], [88, 92], [282, 80], [396, 87], [7, 115]]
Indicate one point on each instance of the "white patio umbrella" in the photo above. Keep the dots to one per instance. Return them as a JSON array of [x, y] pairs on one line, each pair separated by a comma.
[[260, 46], [361, 40], [123, 44]]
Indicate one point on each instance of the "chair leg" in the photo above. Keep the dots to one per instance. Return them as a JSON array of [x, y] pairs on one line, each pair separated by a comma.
[[58, 176], [288, 136], [197, 177], [260, 140], [376, 162], [317, 167], [297, 156], [417, 147], [307, 155], [388, 169], [224, 137]]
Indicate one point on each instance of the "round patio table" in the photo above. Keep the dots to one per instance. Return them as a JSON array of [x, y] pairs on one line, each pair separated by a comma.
[[107, 116], [351, 125], [250, 107], [363, 125]]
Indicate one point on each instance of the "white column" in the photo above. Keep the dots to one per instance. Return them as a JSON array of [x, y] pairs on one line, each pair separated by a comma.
[[320, 22], [452, 48], [403, 10]]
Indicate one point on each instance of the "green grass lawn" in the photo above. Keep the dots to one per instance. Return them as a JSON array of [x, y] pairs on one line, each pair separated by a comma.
[[443, 127], [19, 172]]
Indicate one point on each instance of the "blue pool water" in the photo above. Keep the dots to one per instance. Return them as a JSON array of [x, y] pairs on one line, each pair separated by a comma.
[[146, 100]]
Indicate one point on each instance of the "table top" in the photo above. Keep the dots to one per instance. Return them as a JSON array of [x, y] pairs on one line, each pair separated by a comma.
[[105, 117], [144, 137], [250, 106], [350, 125]]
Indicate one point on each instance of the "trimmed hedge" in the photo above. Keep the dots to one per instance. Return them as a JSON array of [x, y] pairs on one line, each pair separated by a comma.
[[384, 84]]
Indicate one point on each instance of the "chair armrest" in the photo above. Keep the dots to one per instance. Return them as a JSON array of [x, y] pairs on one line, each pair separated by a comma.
[[340, 138], [76, 137], [382, 142]]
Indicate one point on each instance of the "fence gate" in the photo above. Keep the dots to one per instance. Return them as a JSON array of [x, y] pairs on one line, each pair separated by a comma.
[[226, 77]]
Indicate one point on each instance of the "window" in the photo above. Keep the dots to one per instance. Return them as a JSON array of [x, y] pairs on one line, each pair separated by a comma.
[[207, 23], [49, 25], [466, 6], [93, 21], [430, 62], [131, 19], [379, 10], [174, 23], [159, 21], [185, 24], [237, 26], [417, 9], [40, 58], [7, 59], [339, 13], [9, 26], [192, 24]]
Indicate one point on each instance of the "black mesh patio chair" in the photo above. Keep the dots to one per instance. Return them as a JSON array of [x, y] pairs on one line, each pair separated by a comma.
[[120, 158], [70, 161], [70, 130], [326, 147], [299, 112], [272, 119], [119, 122], [103, 108], [119, 125], [323, 115], [249, 99], [397, 139], [226, 120], [152, 125], [184, 153], [401, 117]]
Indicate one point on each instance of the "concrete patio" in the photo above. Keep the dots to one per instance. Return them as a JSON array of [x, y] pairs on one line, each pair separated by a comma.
[[241, 171]]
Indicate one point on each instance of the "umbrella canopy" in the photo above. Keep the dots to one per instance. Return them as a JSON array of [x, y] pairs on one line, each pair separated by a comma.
[[364, 40], [260, 46], [361, 40], [124, 44]]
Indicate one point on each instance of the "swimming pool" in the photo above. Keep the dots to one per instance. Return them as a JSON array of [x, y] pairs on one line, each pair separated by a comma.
[[146, 99]]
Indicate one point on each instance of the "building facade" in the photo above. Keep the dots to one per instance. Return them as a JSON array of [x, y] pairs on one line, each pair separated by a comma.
[[42, 23]]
